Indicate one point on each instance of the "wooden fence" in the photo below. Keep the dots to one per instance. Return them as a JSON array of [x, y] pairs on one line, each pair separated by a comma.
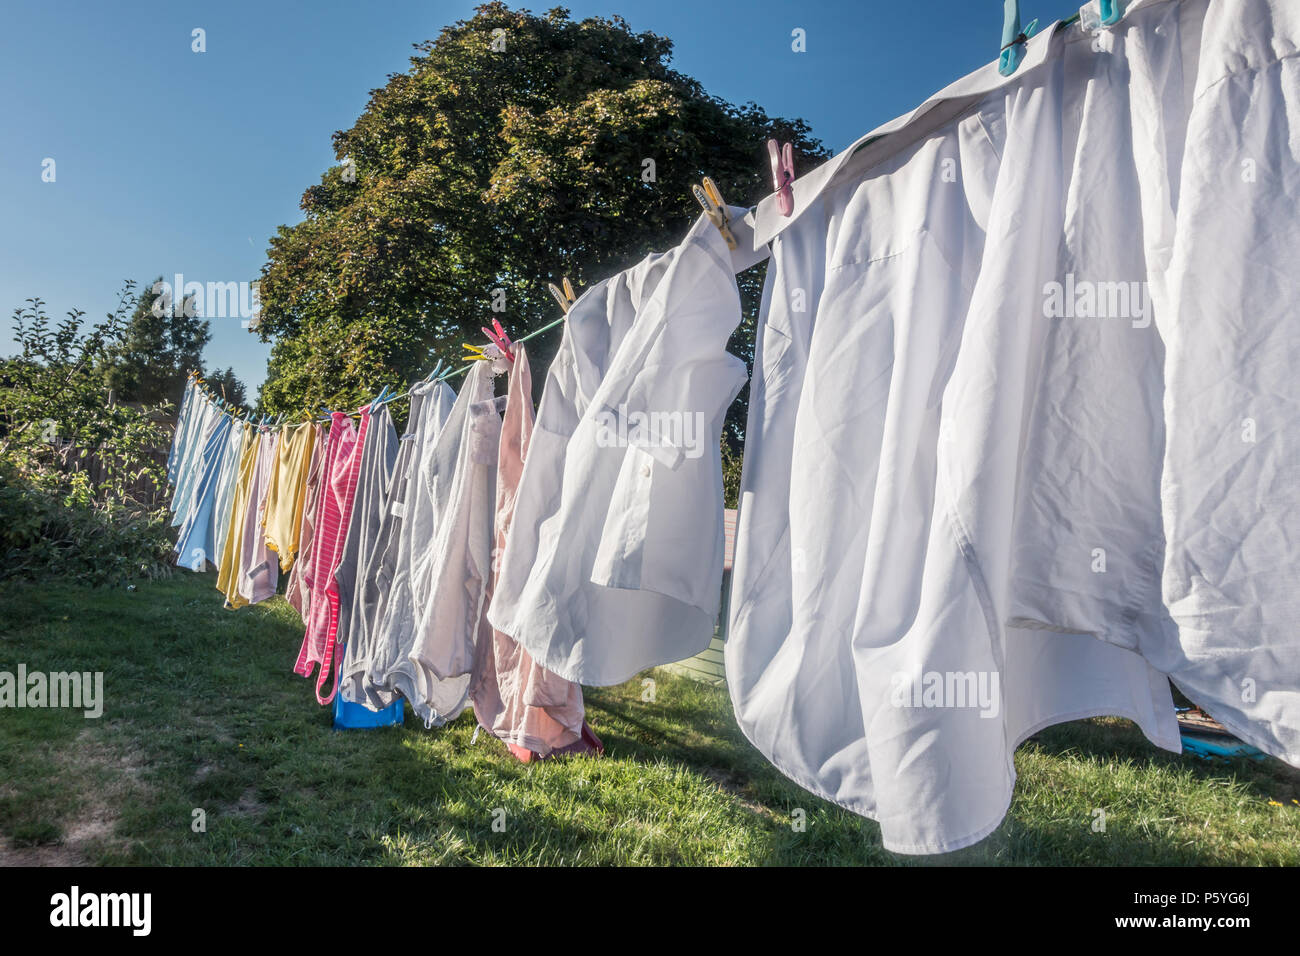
[[96, 465]]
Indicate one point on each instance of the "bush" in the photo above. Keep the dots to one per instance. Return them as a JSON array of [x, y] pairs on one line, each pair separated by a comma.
[[66, 532], [56, 416]]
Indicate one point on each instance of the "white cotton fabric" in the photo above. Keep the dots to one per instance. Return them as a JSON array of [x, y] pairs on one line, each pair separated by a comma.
[[452, 586], [614, 559], [1231, 327], [418, 499], [950, 472]]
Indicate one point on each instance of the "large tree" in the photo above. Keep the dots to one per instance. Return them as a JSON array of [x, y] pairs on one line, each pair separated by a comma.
[[517, 149]]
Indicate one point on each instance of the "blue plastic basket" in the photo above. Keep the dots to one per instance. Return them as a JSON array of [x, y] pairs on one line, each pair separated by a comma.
[[350, 716]]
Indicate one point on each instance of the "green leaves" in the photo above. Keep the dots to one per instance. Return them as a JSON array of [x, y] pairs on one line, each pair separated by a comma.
[[59, 432], [44, 532], [146, 358], [484, 168]]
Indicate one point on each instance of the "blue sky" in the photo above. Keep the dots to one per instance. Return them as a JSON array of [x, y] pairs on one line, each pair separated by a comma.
[[170, 161]]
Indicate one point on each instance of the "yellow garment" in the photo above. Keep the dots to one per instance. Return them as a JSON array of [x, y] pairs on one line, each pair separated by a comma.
[[285, 498], [228, 578]]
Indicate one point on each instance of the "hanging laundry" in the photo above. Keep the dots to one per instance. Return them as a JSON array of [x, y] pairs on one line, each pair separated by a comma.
[[338, 492], [183, 415], [449, 589], [258, 569], [194, 544], [297, 591], [536, 713], [951, 512], [1227, 314], [374, 578], [187, 470], [378, 457], [614, 560], [378, 670], [226, 482], [232, 551], [285, 496]]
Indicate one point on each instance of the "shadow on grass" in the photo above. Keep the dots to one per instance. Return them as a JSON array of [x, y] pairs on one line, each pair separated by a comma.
[[204, 707]]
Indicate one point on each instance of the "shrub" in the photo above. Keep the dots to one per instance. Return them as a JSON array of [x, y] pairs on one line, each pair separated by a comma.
[[54, 412], [64, 531]]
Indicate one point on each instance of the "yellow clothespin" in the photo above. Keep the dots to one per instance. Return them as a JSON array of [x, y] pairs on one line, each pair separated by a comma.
[[710, 200], [564, 296], [476, 353]]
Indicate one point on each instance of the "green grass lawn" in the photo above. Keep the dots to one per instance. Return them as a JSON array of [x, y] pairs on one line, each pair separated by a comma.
[[203, 712]]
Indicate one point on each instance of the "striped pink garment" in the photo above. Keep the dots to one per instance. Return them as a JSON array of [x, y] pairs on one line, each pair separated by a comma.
[[338, 491], [300, 577]]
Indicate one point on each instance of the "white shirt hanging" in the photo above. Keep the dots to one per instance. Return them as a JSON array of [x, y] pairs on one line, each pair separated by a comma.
[[614, 561], [955, 518]]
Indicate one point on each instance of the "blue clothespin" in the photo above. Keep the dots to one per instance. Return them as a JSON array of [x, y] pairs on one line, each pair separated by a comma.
[[378, 400], [1013, 38], [1111, 11], [437, 370]]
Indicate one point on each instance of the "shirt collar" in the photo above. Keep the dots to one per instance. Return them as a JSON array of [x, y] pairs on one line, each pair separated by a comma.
[[766, 221]]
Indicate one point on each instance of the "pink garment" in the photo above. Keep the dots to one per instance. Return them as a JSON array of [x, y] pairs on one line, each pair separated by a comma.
[[259, 570], [296, 592], [534, 711], [338, 492]]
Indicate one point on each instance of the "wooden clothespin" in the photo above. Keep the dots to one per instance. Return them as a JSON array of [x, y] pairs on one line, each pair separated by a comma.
[[564, 296], [710, 199]]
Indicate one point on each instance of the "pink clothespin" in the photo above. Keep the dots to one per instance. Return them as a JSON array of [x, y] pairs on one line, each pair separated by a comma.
[[782, 158], [498, 336]]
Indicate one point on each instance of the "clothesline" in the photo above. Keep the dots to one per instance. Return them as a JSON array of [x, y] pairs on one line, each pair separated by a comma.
[[406, 394], [465, 368]]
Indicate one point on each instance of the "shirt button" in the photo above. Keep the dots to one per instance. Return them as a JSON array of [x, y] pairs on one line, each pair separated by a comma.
[[645, 471]]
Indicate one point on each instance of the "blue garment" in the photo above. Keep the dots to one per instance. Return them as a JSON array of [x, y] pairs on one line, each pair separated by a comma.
[[187, 468], [195, 544], [182, 418]]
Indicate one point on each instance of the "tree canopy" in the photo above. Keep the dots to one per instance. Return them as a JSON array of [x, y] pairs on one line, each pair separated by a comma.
[[517, 149], [161, 341]]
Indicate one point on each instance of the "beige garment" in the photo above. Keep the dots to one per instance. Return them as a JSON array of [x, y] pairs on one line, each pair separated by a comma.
[[514, 697], [228, 578], [287, 493], [299, 587]]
